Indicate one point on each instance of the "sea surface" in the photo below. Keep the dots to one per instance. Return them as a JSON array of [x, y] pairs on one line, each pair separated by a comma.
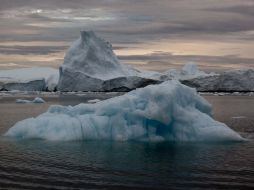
[[37, 164]]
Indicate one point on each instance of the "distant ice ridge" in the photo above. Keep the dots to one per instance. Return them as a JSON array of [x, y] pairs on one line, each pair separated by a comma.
[[230, 81], [29, 79], [189, 71], [166, 112]]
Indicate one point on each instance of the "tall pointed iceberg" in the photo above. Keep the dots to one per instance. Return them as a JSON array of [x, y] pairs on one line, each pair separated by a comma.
[[91, 65]]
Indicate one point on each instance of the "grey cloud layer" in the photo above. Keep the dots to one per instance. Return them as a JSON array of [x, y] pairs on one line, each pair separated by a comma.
[[125, 22], [26, 50], [135, 17], [164, 57]]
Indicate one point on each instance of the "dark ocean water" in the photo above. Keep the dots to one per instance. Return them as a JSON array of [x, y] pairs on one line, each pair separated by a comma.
[[36, 164]]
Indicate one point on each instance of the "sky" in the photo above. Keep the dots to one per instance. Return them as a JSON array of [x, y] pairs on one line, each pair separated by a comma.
[[156, 35]]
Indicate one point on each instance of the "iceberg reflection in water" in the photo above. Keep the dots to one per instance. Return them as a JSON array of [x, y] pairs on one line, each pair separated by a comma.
[[169, 111]]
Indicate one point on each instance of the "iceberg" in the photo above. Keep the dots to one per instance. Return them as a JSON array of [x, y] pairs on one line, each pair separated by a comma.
[[189, 71], [230, 81], [33, 85], [169, 111], [29, 79], [91, 65]]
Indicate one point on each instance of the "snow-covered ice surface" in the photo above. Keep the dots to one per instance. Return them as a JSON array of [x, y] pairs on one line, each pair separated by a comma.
[[36, 100], [169, 111], [25, 75]]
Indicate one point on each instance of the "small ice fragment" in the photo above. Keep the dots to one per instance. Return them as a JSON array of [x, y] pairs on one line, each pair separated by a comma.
[[238, 117], [94, 101], [21, 101], [38, 100]]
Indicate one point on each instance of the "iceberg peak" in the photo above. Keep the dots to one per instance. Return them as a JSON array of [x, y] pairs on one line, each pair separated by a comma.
[[87, 34], [191, 69], [90, 64], [92, 56]]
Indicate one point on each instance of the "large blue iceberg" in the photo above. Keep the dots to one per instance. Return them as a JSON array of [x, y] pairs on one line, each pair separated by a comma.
[[169, 111]]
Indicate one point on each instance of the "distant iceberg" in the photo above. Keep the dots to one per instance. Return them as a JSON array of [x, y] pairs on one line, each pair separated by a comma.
[[29, 79], [166, 112], [230, 81], [189, 71], [91, 65]]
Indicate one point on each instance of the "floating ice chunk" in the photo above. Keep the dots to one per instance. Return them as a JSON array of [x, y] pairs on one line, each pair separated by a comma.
[[169, 111], [239, 117], [93, 101], [36, 100], [21, 101]]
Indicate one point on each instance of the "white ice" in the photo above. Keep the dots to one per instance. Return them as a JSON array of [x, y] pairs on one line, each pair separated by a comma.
[[169, 111], [94, 101], [36, 100], [91, 65], [23, 101], [92, 56], [237, 81], [189, 71], [50, 75]]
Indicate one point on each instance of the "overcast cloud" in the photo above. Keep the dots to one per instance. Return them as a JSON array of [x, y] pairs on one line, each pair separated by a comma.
[[214, 33]]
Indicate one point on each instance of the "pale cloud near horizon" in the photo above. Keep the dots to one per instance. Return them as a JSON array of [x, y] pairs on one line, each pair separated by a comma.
[[204, 31]]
